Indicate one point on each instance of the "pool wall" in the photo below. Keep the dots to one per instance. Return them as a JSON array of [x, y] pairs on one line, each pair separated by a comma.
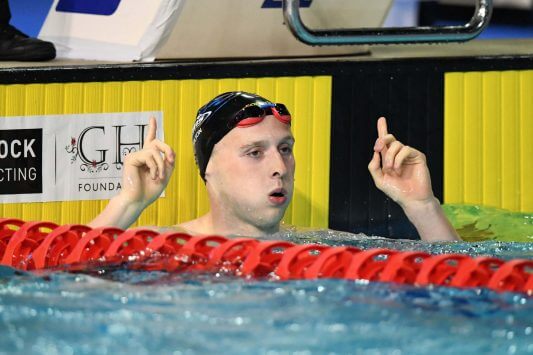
[[185, 198], [487, 139], [471, 116], [443, 106]]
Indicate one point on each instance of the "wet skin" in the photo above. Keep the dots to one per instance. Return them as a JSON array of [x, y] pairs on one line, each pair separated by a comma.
[[250, 180]]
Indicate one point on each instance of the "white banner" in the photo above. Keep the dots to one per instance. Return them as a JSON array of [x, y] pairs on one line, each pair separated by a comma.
[[68, 157], [122, 30]]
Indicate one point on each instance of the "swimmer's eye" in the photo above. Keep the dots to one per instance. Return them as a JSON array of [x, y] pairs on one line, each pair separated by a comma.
[[255, 154], [285, 150]]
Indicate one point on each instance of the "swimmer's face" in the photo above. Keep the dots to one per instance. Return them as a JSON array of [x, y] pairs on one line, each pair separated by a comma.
[[251, 173]]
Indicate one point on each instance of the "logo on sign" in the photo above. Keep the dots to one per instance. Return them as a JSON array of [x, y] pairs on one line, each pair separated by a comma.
[[93, 158], [93, 7], [277, 4], [21, 161]]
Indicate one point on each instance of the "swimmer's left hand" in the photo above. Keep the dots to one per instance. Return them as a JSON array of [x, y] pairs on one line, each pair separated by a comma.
[[398, 170], [401, 172]]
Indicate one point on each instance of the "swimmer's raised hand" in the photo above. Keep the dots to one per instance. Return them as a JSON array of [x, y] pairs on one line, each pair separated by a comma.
[[398, 170], [401, 172], [147, 172], [145, 175]]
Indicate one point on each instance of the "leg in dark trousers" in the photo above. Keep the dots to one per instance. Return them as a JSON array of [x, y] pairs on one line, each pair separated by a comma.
[[15, 45], [5, 14]]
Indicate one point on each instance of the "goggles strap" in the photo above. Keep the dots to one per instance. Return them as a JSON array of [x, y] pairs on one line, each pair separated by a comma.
[[282, 118], [250, 121]]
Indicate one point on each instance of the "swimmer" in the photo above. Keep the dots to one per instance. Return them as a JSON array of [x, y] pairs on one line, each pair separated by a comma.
[[243, 147]]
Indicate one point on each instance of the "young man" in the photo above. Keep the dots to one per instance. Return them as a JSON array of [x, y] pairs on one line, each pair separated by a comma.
[[244, 150]]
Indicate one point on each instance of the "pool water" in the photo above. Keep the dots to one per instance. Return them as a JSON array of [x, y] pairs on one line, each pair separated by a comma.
[[110, 310]]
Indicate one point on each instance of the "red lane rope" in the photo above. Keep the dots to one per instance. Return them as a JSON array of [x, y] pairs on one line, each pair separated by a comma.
[[40, 245]]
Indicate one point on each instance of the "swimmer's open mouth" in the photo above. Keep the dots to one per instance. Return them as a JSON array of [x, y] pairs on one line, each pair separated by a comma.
[[278, 197], [278, 193]]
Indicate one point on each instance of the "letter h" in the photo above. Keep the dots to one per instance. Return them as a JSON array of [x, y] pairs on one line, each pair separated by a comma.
[[133, 146]]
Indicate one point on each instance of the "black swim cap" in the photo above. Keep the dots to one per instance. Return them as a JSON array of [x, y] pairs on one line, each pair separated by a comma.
[[215, 119]]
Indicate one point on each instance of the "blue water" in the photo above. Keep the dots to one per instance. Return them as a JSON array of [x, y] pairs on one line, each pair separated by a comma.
[[115, 310]]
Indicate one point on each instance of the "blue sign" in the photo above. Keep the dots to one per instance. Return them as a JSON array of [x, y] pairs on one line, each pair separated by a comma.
[[276, 4], [93, 7]]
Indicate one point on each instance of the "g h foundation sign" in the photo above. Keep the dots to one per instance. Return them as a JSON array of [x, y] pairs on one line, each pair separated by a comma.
[[68, 157]]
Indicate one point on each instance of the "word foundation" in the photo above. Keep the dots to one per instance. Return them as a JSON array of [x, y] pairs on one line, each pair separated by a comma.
[[99, 186]]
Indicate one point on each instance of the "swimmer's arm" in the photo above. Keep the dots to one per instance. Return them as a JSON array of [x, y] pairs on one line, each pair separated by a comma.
[[118, 213], [145, 175], [402, 174], [430, 221]]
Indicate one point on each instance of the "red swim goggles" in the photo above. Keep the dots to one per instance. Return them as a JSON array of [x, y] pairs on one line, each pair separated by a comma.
[[252, 114]]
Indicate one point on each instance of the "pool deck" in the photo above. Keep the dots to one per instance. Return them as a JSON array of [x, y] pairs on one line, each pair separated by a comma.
[[476, 48]]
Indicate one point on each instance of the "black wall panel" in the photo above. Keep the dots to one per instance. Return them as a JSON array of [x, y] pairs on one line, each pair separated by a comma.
[[412, 101]]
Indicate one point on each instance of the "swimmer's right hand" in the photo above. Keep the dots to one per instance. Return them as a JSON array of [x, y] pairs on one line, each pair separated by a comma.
[[147, 172]]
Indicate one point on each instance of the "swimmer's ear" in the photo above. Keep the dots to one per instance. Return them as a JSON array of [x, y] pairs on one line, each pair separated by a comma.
[[152, 129]]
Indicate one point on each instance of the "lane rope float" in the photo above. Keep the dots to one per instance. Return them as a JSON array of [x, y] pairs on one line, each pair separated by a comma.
[[43, 245]]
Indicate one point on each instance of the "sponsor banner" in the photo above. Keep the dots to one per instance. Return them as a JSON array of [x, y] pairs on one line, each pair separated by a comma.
[[68, 157]]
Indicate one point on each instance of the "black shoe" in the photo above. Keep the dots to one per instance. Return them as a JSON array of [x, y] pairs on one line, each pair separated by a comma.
[[15, 45]]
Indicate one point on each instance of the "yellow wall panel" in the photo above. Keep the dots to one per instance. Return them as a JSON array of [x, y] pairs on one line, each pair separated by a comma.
[[472, 128], [189, 102], [169, 91], [308, 98], [74, 99], [34, 101], [302, 132], [453, 137], [321, 152], [491, 114], [111, 98], [3, 98], [488, 130], [511, 141], [15, 99], [526, 137]]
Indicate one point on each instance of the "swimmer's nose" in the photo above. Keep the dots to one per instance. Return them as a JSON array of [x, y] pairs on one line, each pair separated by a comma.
[[279, 167]]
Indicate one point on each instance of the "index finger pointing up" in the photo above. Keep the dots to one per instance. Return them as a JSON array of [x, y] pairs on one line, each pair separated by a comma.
[[382, 127], [152, 128]]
